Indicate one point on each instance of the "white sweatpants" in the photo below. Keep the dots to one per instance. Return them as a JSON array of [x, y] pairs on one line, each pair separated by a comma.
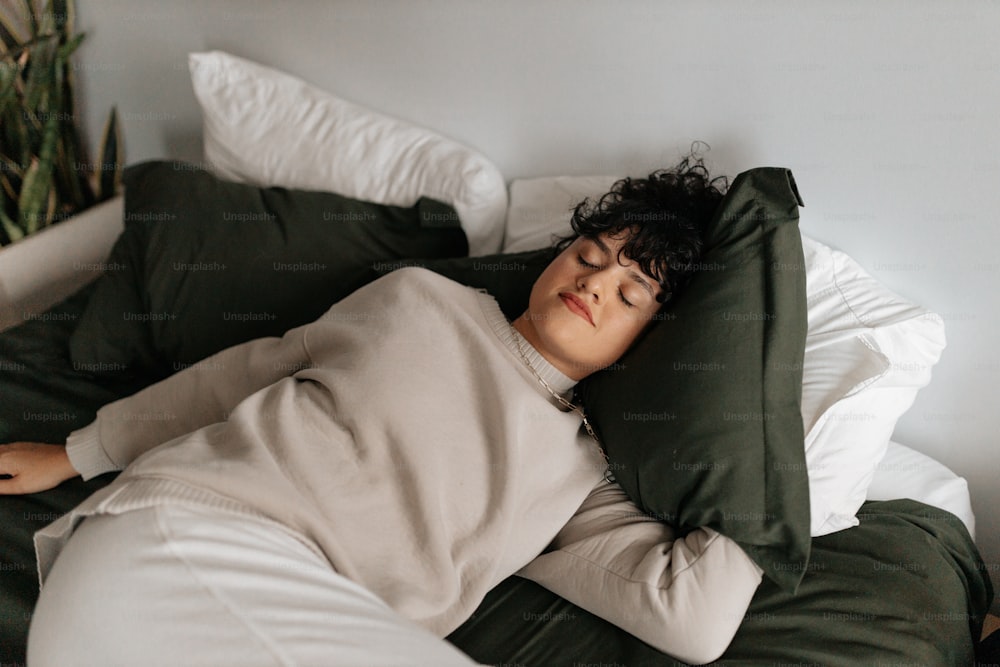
[[173, 585]]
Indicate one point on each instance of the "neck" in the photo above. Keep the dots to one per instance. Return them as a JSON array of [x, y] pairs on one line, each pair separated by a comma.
[[524, 327]]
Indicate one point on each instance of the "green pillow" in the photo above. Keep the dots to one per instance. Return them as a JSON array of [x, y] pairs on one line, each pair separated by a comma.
[[204, 264], [701, 417], [507, 277]]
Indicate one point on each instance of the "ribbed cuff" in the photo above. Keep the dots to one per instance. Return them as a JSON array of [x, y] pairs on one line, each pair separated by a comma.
[[83, 447]]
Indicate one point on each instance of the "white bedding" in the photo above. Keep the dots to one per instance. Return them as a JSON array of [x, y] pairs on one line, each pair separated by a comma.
[[906, 473]]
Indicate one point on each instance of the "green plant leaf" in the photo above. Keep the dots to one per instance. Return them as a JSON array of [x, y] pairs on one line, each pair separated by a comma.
[[34, 201], [68, 100], [61, 11], [41, 69], [9, 166], [14, 233], [17, 137], [74, 162], [110, 166], [71, 173], [34, 191], [49, 18], [29, 12], [9, 32], [67, 49], [11, 179], [8, 90], [10, 186], [8, 206]]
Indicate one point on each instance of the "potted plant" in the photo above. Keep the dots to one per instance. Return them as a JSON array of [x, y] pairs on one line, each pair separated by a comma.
[[45, 175]]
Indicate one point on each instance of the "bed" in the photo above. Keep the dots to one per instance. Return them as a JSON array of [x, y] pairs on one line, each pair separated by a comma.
[[883, 568]]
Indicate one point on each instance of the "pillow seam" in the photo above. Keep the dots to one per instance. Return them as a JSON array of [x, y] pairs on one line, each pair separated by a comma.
[[843, 296]]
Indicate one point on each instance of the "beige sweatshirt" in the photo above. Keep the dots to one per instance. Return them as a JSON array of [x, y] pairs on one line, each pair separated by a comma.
[[403, 435]]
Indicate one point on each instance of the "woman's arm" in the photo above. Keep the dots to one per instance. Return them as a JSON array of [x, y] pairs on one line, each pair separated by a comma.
[[201, 394], [686, 597]]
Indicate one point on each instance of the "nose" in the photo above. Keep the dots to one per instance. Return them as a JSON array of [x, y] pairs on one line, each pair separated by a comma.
[[592, 283]]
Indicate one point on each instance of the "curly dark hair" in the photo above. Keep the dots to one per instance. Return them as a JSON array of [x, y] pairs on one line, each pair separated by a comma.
[[663, 217]]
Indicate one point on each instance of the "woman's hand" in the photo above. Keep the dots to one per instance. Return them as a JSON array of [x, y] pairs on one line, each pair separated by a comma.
[[33, 467]]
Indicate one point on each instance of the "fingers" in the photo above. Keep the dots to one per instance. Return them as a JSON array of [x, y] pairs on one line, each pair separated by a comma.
[[11, 486], [10, 482], [27, 467], [7, 462]]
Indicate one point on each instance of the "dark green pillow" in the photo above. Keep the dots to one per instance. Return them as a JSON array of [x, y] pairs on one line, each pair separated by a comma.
[[508, 277], [205, 263], [701, 417]]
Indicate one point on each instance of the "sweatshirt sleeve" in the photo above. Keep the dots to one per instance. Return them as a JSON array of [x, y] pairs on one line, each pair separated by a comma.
[[201, 394], [684, 596]]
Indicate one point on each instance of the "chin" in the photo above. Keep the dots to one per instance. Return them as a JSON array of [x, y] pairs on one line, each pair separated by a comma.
[[568, 355]]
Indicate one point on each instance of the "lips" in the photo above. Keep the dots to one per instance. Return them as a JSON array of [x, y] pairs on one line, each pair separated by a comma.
[[575, 304]]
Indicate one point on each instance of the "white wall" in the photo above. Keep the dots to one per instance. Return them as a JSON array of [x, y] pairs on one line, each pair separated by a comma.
[[886, 112]]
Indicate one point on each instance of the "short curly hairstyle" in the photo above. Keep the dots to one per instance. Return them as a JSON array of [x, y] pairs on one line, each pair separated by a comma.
[[663, 216]]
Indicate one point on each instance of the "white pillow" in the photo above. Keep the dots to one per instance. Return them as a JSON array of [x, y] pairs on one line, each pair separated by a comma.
[[268, 128], [906, 473], [541, 207], [868, 351], [886, 346]]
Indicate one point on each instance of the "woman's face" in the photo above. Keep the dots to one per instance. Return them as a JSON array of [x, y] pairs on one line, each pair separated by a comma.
[[587, 307]]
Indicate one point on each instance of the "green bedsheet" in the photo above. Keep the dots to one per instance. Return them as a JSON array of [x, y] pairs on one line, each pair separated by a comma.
[[906, 587]]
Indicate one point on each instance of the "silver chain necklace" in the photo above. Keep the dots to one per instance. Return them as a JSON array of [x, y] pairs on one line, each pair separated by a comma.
[[608, 475]]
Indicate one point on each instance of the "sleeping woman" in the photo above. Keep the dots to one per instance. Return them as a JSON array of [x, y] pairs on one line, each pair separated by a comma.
[[348, 493]]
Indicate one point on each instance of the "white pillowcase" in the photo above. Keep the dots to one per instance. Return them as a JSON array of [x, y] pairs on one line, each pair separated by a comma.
[[906, 473], [868, 351], [541, 207], [268, 128], [887, 347]]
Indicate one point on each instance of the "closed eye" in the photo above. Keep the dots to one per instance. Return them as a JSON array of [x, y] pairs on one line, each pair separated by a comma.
[[584, 263]]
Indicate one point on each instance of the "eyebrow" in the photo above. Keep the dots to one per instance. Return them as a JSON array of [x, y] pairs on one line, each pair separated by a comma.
[[635, 277]]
